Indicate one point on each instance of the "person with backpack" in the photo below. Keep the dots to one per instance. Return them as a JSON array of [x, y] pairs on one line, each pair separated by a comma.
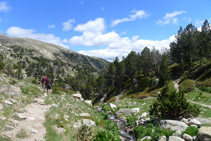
[[43, 80], [48, 84]]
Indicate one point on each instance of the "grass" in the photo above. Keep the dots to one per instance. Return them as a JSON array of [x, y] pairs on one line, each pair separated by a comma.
[[22, 133]]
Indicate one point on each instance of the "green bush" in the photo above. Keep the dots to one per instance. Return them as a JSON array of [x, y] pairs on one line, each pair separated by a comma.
[[187, 85], [150, 130], [192, 131], [171, 86], [106, 136], [84, 133], [131, 120], [204, 85], [172, 105]]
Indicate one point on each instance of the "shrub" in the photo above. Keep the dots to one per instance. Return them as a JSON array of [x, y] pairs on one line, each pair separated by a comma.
[[84, 133], [187, 85], [204, 85], [192, 131], [171, 86], [150, 130], [106, 136], [34, 81], [172, 105], [131, 120]]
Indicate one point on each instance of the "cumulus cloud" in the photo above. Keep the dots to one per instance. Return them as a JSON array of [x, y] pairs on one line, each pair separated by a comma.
[[135, 15], [170, 18], [115, 44], [68, 25], [30, 33], [4, 7], [51, 26]]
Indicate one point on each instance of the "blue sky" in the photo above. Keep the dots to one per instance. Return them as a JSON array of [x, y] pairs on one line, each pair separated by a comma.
[[102, 28]]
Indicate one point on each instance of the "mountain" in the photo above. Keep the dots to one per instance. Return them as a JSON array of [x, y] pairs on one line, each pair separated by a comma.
[[37, 58]]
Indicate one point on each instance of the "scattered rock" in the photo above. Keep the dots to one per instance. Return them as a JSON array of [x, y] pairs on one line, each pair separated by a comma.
[[98, 108], [195, 122], [177, 133], [88, 122], [204, 120], [77, 125], [112, 106], [78, 96], [135, 110], [173, 125], [31, 118], [54, 105], [21, 115], [162, 138], [33, 131], [1, 106], [8, 102], [143, 115], [59, 130], [146, 138], [85, 115], [187, 137], [175, 138], [124, 111], [194, 125], [66, 117], [89, 102], [204, 134], [13, 100]]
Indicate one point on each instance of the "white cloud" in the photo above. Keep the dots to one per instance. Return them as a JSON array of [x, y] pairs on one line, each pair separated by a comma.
[[30, 33], [4, 7], [170, 18], [199, 23], [68, 25], [51, 26], [136, 15], [115, 44]]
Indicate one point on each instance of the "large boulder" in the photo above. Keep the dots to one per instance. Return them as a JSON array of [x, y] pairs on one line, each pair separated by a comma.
[[173, 125], [204, 134], [162, 138], [187, 137], [123, 111], [175, 138]]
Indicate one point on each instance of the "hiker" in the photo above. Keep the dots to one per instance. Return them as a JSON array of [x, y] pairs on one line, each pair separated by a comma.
[[48, 84], [43, 80]]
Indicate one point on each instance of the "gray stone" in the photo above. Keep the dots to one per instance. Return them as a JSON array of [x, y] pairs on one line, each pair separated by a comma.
[[21, 115], [33, 131], [173, 125], [187, 137], [144, 115], [195, 122], [194, 125], [1, 106], [162, 138], [177, 133], [77, 125], [112, 106], [98, 108], [8, 102], [89, 102], [204, 120], [135, 110], [147, 137], [85, 115], [175, 138], [78, 96], [88, 122], [204, 134], [124, 111]]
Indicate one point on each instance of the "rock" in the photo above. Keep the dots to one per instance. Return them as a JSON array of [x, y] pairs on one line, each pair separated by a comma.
[[77, 125], [85, 115], [173, 125], [33, 131], [21, 115], [98, 108], [175, 138], [8, 102], [177, 133], [112, 106], [187, 137], [60, 130], [204, 134], [124, 111], [66, 117], [31, 118], [194, 125], [204, 120], [88, 122], [54, 105], [146, 138], [67, 87], [78, 96], [162, 138], [195, 122], [89, 102], [143, 115], [135, 110], [13, 100], [1, 106]]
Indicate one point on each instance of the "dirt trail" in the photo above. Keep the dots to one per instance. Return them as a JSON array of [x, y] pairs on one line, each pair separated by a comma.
[[33, 122], [204, 105]]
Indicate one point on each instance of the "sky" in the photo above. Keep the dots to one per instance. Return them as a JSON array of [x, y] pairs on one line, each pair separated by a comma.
[[102, 28]]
